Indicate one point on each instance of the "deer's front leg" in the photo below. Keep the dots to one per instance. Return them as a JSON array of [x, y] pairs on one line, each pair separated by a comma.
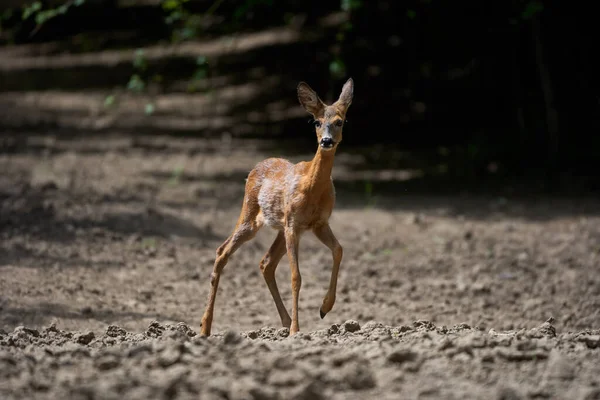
[[291, 243], [325, 235]]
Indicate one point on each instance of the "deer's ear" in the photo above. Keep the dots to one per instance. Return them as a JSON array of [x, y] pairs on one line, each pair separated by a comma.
[[347, 93], [310, 100]]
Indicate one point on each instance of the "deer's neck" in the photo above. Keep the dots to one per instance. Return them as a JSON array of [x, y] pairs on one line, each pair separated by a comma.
[[320, 169]]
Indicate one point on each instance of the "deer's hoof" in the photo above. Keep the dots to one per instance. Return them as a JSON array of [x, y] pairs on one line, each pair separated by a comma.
[[322, 314]]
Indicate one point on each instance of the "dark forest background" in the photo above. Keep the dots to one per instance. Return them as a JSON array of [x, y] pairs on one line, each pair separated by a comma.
[[470, 91]]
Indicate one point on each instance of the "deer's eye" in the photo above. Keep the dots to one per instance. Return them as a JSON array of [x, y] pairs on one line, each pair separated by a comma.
[[317, 123], [338, 122]]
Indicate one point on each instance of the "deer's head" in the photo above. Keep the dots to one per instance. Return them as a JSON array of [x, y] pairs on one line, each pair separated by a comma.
[[328, 119]]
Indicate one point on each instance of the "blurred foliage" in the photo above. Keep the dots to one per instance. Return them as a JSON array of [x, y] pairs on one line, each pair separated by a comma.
[[185, 25], [42, 15], [468, 76], [531, 9]]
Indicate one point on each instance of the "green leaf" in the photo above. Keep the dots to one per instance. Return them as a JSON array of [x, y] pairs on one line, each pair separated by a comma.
[[174, 16], [28, 11], [337, 68], [139, 60], [201, 60], [412, 14], [176, 176], [188, 32], [472, 150], [149, 109], [191, 87], [368, 188], [170, 4], [149, 242], [44, 16], [79, 2], [349, 5], [532, 8], [136, 84], [239, 12], [199, 74], [109, 101]]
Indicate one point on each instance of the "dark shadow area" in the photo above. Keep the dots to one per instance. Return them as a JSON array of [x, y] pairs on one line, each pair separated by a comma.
[[390, 184], [235, 69], [149, 223], [43, 313], [366, 176], [32, 257], [30, 211], [494, 83], [33, 213], [475, 109], [235, 176], [480, 207], [58, 141]]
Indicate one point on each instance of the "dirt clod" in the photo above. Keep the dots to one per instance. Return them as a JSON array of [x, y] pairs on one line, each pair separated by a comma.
[[85, 338], [509, 393], [115, 331], [107, 361], [309, 391], [401, 356], [231, 337], [351, 326]]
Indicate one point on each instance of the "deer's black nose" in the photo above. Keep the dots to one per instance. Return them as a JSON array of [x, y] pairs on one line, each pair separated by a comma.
[[326, 142]]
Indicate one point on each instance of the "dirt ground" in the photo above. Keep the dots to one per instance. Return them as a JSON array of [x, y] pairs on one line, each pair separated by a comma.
[[107, 244]]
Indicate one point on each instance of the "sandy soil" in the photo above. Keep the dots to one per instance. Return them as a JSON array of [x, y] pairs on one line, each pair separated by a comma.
[[107, 245]]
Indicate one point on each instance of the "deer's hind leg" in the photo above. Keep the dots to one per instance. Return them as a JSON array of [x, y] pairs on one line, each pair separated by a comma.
[[245, 229], [326, 236], [268, 265]]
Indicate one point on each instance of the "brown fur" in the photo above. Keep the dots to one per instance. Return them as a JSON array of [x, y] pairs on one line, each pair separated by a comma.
[[291, 199]]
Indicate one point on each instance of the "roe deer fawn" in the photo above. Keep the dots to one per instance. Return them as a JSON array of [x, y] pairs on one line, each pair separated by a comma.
[[291, 198]]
